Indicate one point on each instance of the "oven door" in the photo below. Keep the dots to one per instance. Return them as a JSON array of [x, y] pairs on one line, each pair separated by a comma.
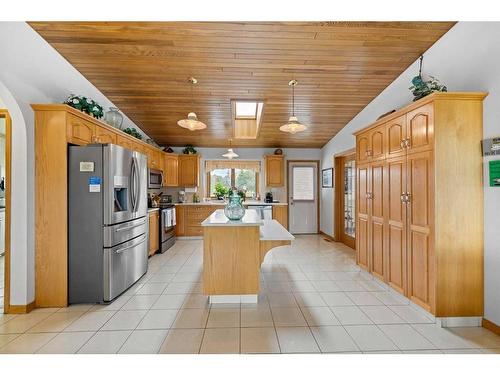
[[155, 178]]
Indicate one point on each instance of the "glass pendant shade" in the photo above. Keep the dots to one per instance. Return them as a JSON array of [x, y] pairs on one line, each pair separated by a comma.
[[293, 126], [230, 154], [114, 118], [192, 123]]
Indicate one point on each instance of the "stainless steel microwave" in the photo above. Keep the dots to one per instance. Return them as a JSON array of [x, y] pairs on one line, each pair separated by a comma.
[[155, 178]]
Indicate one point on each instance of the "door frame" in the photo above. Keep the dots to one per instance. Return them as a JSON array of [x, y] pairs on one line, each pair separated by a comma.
[[338, 198], [8, 154], [317, 189]]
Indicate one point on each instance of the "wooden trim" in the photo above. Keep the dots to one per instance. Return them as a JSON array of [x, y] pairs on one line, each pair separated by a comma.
[[21, 309], [327, 235], [490, 326], [429, 98], [8, 160], [339, 198], [317, 189]]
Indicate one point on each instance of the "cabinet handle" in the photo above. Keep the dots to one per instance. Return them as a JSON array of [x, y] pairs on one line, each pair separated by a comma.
[[369, 152], [408, 198], [403, 143], [403, 198], [407, 143]]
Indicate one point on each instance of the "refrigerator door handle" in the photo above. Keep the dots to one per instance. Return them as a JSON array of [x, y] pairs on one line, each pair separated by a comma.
[[132, 184], [137, 186], [119, 251], [130, 226]]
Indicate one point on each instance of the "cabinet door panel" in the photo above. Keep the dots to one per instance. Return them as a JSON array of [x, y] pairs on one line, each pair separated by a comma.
[[420, 129], [396, 223], [377, 143], [396, 132], [79, 131], [275, 171], [362, 221], [103, 135], [362, 147], [188, 170], [170, 170], [376, 220], [420, 185]]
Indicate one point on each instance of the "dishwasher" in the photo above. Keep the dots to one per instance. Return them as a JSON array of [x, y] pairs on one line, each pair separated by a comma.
[[265, 212]]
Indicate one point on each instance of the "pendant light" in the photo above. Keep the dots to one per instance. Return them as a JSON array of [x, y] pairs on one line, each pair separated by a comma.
[[191, 122], [293, 125], [230, 154]]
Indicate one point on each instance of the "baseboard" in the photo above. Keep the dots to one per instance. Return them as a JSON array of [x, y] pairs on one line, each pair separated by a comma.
[[20, 309], [456, 321], [489, 325], [326, 235]]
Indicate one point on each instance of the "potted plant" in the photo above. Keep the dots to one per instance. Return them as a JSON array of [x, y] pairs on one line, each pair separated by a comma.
[[87, 105], [221, 191], [133, 132], [189, 150]]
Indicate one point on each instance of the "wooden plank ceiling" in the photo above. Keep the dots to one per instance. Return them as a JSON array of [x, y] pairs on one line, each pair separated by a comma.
[[143, 67]]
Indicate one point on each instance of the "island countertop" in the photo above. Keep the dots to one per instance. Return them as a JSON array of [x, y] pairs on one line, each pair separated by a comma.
[[218, 218]]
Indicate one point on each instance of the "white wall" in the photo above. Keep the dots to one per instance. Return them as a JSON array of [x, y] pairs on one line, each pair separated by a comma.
[[467, 58], [208, 153], [31, 71]]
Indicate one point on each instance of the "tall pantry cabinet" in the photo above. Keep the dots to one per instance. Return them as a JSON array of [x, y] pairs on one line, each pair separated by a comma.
[[420, 203]]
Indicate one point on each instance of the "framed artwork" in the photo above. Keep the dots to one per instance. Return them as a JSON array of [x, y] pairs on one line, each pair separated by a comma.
[[327, 178]]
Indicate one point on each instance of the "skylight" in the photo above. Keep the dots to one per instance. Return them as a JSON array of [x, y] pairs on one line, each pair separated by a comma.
[[246, 110]]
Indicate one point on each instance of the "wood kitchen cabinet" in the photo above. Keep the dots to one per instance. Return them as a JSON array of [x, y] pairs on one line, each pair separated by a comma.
[[419, 203], [275, 170], [190, 216], [189, 172], [56, 126], [170, 169], [154, 232], [280, 214]]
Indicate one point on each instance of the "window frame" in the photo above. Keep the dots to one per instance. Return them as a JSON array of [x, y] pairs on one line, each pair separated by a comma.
[[233, 182]]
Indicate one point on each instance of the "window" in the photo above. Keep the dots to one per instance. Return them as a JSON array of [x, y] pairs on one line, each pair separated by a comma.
[[246, 110], [244, 179], [303, 183]]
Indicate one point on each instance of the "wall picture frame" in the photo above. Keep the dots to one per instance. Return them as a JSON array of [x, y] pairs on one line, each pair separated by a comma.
[[327, 178]]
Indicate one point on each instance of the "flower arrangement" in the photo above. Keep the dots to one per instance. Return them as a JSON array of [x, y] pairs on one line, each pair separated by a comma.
[[421, 88], [86, 105], [189, 149], [133, 132]]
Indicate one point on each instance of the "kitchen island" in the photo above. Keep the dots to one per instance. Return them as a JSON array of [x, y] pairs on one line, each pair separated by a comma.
[[233, 252]]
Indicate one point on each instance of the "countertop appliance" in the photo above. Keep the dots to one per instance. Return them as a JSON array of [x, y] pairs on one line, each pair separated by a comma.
[[269, 197], [167, 226], [264, 212], [107, 221], [155, 178]]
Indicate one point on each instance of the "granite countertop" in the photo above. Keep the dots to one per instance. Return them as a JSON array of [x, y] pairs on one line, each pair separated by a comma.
[[222, 203], [152, 209]]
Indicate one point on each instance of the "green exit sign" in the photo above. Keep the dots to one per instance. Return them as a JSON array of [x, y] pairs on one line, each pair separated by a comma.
[[495, 173]]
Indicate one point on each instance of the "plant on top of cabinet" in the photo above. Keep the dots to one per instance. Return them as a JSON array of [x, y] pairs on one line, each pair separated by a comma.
[[189, 150], [421, 88], [133, 132], [84, 104]]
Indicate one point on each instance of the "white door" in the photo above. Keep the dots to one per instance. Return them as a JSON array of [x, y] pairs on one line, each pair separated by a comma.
[[303, 197]]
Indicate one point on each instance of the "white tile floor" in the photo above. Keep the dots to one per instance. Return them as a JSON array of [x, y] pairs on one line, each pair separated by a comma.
[[314, 299]]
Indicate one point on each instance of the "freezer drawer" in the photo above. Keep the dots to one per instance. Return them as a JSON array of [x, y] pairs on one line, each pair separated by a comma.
[[124, 265], [119, 233]]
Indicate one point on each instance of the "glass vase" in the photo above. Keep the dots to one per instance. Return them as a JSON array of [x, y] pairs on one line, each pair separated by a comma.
[[114, 118], [234, 209]]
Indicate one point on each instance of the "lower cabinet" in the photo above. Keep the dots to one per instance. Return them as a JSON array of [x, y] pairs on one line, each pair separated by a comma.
[[190, 217], [280, 214], [154, 234]]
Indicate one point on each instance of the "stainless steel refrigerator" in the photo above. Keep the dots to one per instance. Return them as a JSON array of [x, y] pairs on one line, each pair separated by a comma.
[[108, 225]]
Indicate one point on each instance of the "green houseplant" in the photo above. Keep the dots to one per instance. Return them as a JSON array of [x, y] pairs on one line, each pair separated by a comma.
[[133, 132], [87, 105], [189, 149], [220, 190]]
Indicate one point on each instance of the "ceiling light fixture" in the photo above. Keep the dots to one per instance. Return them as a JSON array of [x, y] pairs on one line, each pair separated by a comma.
[[293, 125], [191, 122], [230, 154]]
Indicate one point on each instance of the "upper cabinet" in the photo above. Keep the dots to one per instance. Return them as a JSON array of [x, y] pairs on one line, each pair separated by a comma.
[[103, 135], [420, 129], [371, 145], [189, 170], [170, 169], [395, 131], [275, 170], [79, 131]]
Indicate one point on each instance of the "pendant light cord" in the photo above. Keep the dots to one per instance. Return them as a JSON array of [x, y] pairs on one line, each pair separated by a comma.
[[293, 100]]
